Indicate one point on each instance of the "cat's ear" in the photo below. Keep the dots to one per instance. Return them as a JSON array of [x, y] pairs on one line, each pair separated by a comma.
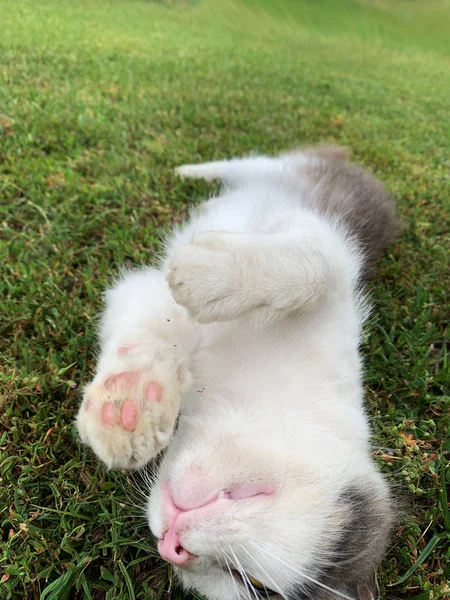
[[366, 514], [366, 591]]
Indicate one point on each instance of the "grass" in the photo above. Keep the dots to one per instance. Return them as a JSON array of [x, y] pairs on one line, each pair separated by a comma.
[[98, 102]]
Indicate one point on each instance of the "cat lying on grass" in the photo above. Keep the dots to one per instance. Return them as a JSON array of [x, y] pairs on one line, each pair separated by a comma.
[[248, 334]]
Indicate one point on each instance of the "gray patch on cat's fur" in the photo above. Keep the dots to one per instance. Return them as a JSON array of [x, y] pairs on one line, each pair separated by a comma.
[[342, 190], [351, 562]]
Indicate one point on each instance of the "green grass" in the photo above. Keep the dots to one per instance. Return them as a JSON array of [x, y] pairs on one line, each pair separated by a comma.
[[98, 102]]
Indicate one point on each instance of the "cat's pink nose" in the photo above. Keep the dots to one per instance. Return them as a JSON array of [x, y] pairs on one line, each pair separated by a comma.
[[170, 548]]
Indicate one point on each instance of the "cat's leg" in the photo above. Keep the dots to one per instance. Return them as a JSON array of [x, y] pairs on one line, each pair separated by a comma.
[[222, 276], [129, 410]]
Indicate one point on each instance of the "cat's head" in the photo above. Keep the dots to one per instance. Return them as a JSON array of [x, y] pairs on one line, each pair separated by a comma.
[[239, 518]]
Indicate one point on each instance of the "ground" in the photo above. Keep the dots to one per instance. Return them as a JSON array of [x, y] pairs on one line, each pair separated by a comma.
[[99, 101]]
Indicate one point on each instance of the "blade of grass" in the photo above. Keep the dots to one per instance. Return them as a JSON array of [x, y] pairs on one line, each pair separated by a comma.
[[423, 556], [443, 498], [127, 580]]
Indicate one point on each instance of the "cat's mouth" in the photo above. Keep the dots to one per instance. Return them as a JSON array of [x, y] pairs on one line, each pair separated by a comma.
[[250, 583]]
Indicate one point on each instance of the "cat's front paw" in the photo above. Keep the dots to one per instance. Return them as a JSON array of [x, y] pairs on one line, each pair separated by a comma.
[[206, 277], [128, 416]]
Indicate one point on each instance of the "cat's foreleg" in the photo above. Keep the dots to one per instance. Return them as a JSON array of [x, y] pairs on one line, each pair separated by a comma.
[[222, 276], [129, 409]]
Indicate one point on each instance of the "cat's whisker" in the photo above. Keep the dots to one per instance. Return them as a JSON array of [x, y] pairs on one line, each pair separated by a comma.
[[245, 579], [137, 527], [244, 582], [134, 502], [149, 478], [302, 574], [272, 582], [138, 511], [137, 491], [238, 594], [145, 478], [353, 558], [131, 501]]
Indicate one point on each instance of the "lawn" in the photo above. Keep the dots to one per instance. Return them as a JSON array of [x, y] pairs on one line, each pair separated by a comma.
[[99, 101]]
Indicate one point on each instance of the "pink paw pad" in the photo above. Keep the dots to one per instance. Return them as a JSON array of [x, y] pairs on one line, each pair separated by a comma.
[[129, 415], [108, 413], [154, 392], [125, 348], [88, 404], [121, 381]]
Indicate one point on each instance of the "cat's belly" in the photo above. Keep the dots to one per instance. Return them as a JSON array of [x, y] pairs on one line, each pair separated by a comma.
[[284, 376]]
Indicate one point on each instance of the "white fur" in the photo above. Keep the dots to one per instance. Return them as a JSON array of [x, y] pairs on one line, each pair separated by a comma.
[[261, 348]]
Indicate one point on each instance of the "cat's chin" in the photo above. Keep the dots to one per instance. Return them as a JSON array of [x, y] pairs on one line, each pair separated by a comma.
[[212, 581]]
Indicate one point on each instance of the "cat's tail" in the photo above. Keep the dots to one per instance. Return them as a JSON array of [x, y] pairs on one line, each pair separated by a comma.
[[235, 170], [261, 167]]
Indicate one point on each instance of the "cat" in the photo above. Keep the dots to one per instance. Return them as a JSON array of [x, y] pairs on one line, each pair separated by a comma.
[[247, 337]]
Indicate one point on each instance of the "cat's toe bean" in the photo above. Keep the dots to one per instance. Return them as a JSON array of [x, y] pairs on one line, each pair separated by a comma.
[[129, 414], [88, 404], [125, 348], [108, 413], [121, 381], [154, 392]]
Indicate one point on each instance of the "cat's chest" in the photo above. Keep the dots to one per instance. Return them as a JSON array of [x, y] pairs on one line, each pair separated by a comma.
[[286, 369]]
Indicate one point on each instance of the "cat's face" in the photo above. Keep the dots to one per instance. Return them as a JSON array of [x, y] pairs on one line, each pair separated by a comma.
[[239, 520]]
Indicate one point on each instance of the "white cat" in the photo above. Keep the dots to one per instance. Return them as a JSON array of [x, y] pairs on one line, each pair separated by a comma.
[[249, 333]]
